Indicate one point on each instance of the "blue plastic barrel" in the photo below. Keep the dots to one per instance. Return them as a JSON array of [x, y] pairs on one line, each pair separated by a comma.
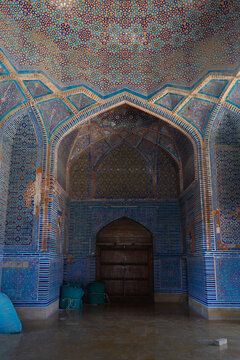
[[9, 321]]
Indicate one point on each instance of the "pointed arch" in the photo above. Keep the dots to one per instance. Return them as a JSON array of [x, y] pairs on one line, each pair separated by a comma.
[[175, 122], [222, 156], [22, 148]]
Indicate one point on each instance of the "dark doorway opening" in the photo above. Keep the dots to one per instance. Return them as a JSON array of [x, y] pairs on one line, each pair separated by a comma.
[[124, 261]]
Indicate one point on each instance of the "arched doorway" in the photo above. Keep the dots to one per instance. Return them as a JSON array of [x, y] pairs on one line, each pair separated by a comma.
[[124, 260]]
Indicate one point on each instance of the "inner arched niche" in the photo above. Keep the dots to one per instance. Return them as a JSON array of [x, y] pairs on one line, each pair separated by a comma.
[[127, 163], [21, 154], [225, 167], [23, 161]]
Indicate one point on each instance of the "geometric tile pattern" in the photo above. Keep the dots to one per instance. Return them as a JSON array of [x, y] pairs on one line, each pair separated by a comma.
[[19, 219], [169, 101], [114, 139], [228, 279], [88, 217], [123, 175], [54, 112], [55, 278], [99, 149], [234, 95], [214, 88], [227, 147], [96, 134], [81, 101], [106, 45], [3, 70], [144, 133], [166, 142], [171, 276], [123, 117], [82, 142], [148, 149], [25, 282], [10, 96], [37, 88], [79, 271], [196, 277], [228, 130], [227, 161], [16, 282], [116, 175], [80, 180], [167, 176], [186, 154], [63, 153], [132, 124], [198, 112], [191, 220]]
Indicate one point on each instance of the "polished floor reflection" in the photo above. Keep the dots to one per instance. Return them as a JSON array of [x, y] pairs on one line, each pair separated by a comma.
[[123, 332]]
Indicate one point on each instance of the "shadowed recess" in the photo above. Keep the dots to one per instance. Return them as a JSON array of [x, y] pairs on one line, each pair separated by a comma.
[[132, 155]]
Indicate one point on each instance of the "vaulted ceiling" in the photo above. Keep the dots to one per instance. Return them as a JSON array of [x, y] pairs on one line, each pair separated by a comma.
[[110, 45], [126, 126]]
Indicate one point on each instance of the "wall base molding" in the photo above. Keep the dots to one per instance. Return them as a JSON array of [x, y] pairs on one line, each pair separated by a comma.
[[37, 313], [214, 313], [170, 298]]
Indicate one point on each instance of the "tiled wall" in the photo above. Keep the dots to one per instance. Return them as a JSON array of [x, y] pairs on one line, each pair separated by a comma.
[[20, 283], [24, 267], [227, 279], [192, 220], [214, 278], [227, 149], [32, 279], [22, 174], [196, 278], [222, 266], [162, 218], [182, 261], [1, 257]]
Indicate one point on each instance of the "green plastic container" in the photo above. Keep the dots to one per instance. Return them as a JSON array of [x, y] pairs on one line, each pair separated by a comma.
[[96, 292], [72, 291], [71, 296], [96, 299], [96, 287]]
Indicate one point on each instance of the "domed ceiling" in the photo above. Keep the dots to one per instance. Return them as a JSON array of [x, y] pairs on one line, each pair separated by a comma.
[[110, 45]]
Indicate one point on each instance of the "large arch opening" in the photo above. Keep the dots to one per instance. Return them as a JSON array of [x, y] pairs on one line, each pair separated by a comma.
[[126, 163], [124, 251]]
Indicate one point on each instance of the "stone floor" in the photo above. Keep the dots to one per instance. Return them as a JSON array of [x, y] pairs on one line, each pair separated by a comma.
[[123, 332]]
